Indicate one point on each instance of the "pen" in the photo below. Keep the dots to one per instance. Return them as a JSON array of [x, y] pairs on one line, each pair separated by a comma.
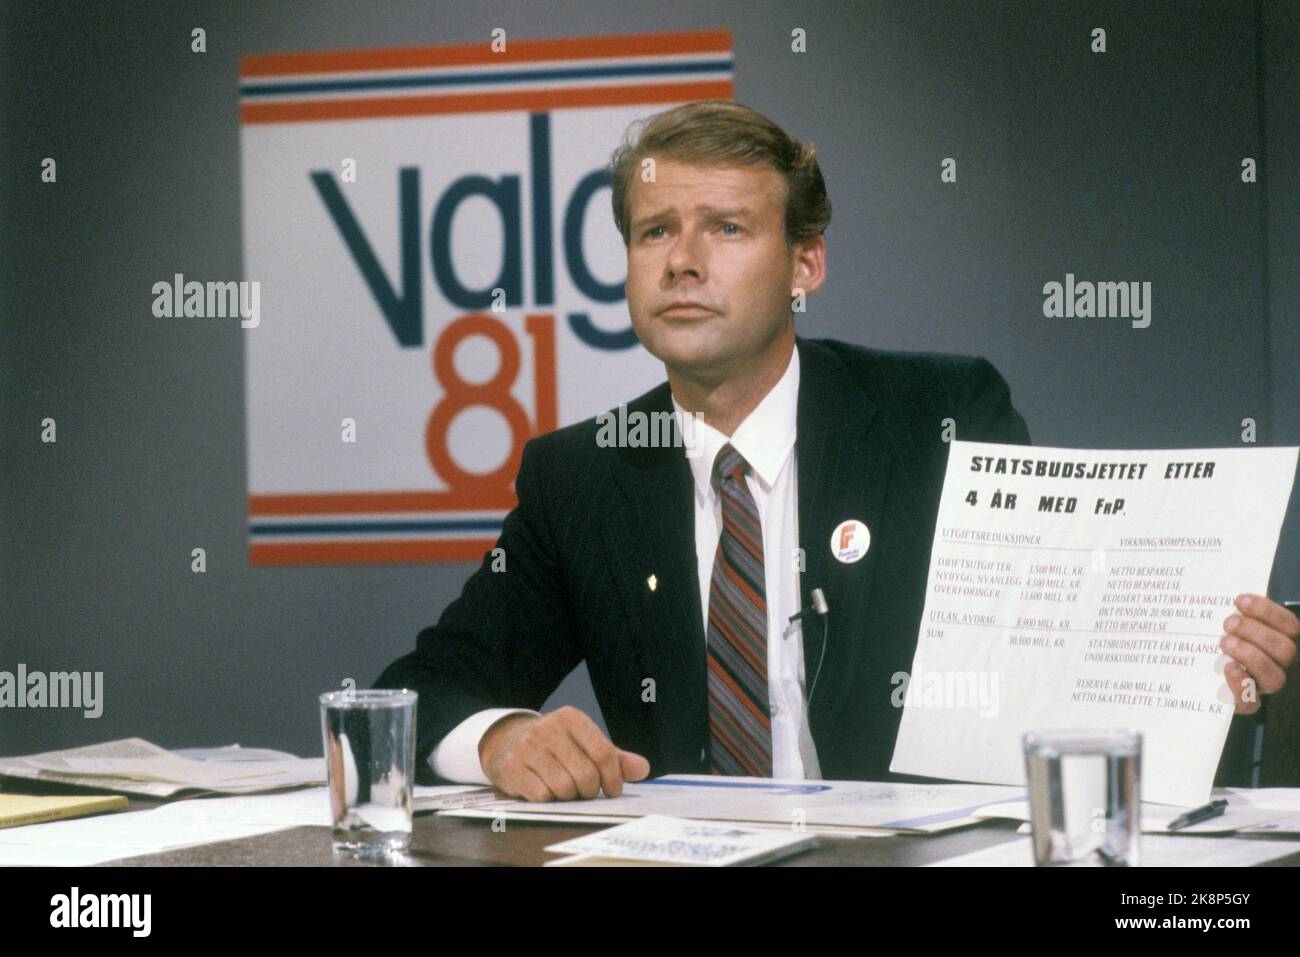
[[1196, 815]]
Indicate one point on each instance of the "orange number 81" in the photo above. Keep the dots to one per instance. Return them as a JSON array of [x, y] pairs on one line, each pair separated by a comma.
[[459, 395]]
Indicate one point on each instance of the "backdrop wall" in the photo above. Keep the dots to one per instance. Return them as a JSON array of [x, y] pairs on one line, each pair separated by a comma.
[[1120, 166]]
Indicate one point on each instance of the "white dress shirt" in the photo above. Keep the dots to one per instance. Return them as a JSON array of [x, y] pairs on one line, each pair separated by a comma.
[[766, 439]]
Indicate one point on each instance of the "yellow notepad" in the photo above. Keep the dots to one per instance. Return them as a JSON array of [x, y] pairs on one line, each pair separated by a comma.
[[19, 809]]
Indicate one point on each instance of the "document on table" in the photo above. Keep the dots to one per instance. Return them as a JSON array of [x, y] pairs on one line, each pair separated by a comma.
[[184, 823], [1271, 815], [85, 841], [1077, 588], [1157, 851], [136, 766], [659, 839], [814, 804]]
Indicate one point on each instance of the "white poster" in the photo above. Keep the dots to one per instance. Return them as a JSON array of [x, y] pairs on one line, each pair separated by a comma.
[[1087, 589]]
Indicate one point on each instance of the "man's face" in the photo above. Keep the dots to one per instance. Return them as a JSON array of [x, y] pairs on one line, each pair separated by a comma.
[[715, 237]]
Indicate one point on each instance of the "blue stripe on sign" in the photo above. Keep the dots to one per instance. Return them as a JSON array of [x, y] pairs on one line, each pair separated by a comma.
[[534, 76], [366, 528]]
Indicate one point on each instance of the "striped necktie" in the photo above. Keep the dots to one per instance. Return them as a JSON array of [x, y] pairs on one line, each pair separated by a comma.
[[740, 725]]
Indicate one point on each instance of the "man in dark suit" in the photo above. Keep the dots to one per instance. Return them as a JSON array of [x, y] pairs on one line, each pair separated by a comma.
[[675, 576]]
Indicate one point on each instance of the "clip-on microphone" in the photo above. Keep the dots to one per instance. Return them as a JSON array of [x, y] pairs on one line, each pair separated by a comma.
[[820, 609]]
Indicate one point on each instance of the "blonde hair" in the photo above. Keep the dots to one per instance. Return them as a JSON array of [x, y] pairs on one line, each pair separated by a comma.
[[725, 133]]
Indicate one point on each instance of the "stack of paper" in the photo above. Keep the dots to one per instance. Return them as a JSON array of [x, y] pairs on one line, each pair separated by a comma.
[[846, 808], [678, 842], [135, 766]]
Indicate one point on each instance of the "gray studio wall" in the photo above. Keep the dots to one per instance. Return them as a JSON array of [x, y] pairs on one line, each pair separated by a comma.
[[1122, 166]]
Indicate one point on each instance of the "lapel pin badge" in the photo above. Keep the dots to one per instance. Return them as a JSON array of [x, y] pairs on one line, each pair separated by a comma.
[[653, 582], [850, 541]]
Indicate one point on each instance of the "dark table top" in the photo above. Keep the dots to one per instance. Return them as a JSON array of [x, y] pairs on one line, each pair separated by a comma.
[[460, 842], [440, 841]]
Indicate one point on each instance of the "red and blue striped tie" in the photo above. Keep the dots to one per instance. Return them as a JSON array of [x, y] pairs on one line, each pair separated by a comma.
[[740, 724]]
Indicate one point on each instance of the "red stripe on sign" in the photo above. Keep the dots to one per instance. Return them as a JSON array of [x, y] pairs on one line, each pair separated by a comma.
[[470, 54], [576, 97], [349, 503], [372, 552]]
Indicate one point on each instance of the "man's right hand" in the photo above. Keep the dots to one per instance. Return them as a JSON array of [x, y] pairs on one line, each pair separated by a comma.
[[560, 756]]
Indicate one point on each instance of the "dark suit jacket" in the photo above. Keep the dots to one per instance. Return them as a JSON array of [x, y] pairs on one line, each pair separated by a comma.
[[592, 524]]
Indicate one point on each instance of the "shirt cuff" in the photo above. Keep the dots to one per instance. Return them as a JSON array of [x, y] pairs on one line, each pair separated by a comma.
[[456, 756]]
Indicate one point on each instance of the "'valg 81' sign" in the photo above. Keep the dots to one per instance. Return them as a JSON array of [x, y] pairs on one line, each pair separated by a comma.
[[441, 278]]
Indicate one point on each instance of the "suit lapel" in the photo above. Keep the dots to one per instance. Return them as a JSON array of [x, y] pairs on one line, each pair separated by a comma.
[[658, 492], [844, 464]]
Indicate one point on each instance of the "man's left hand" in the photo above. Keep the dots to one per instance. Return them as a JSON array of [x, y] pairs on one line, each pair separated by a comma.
[[1261, 639]]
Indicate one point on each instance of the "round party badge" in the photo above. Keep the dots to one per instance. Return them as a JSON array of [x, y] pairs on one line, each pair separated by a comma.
[[850, 541]]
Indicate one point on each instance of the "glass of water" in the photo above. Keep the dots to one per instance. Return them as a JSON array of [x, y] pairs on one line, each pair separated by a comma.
[[369, 741], [1085, 803]]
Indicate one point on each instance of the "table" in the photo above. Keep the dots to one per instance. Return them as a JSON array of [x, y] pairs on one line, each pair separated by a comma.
[[460, 842]]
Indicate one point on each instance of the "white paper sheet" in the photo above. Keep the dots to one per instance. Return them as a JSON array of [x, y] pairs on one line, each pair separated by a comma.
[[136, 766], [93, 840], [913, 807], [1241, 815], [233, 752], [672, 840], [1278, 799], [608, 820], [1090, 601], [1157, 851], [184, 823]]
